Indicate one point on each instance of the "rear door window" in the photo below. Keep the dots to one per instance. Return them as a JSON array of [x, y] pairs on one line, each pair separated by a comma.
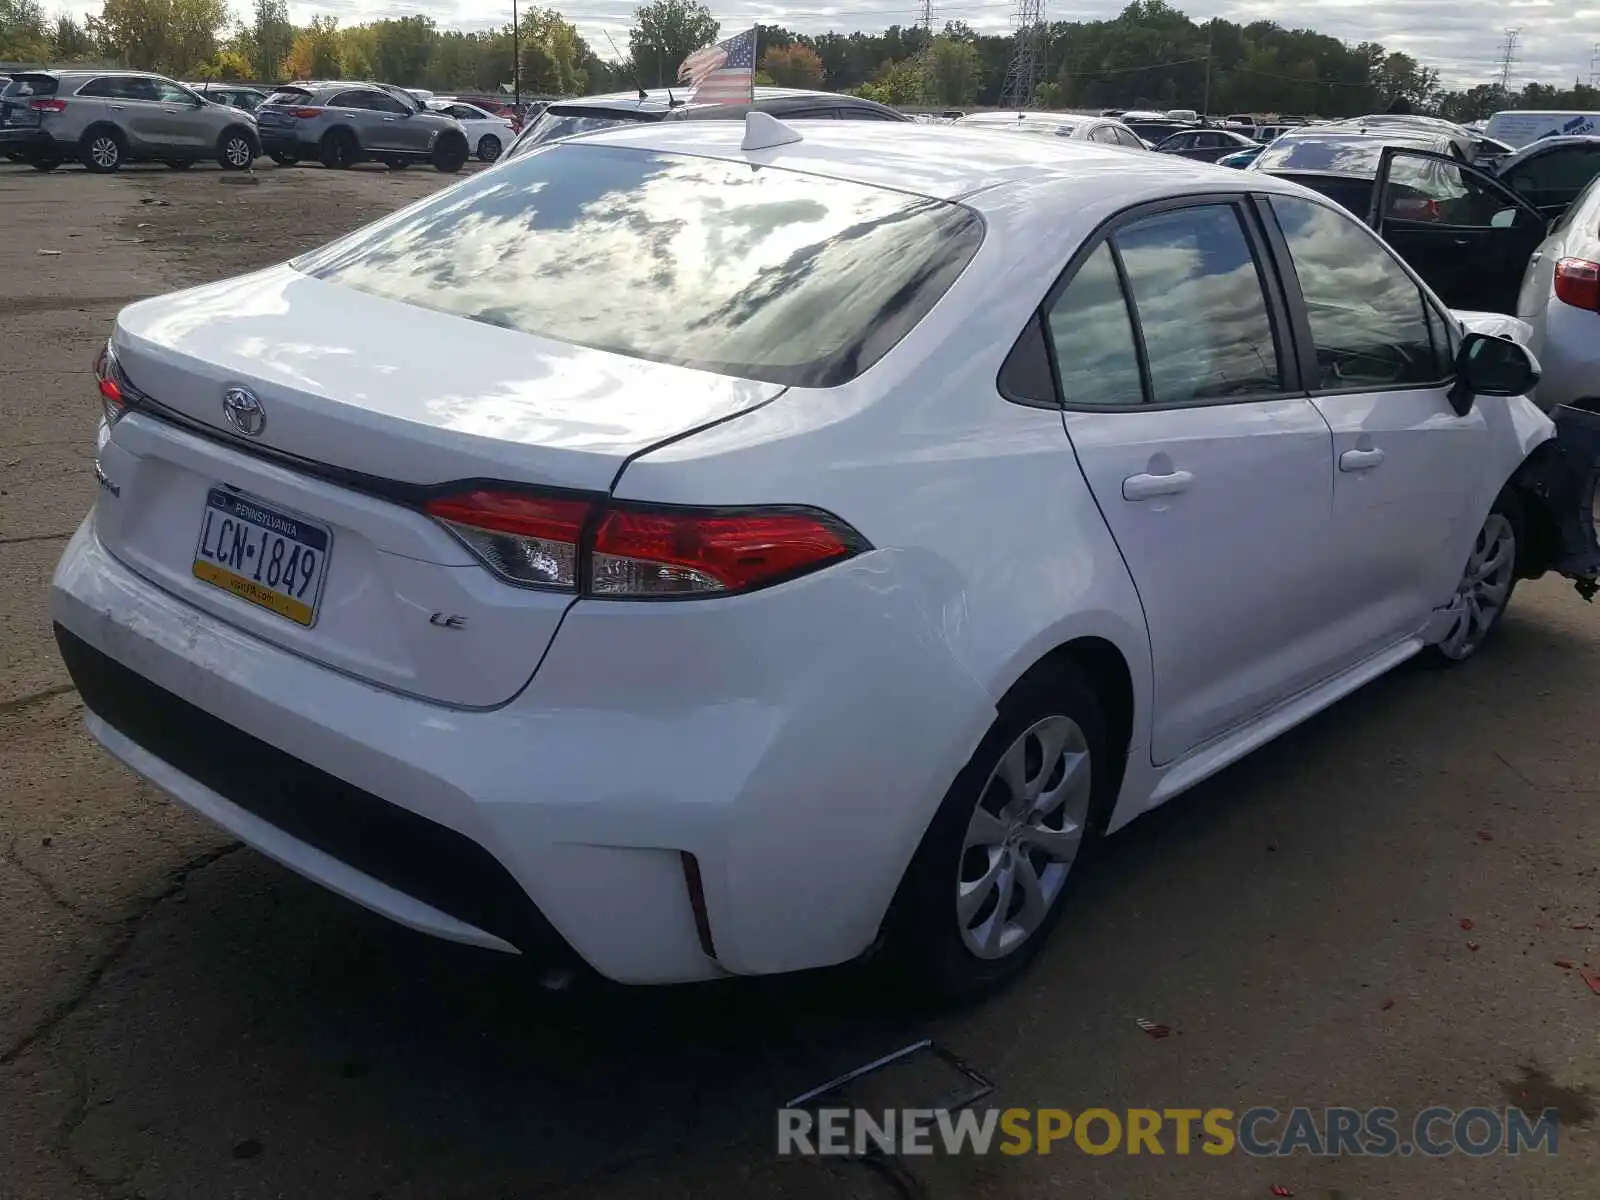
[[1198, 295], [1091, 334], [112, 87], [760, 273]]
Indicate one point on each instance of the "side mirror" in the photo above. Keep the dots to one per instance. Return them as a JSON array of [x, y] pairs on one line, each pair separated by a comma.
[[1491, 366]]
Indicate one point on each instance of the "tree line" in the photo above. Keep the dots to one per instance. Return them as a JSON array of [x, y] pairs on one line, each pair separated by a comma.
[[1150, 55]]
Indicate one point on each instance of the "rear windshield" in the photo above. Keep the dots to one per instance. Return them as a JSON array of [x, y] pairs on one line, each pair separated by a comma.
[[31, 85], [1335, 154], [288, 96], [761, 273], [554, 123]]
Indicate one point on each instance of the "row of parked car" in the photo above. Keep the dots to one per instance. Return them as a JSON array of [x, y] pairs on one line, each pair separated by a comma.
[[105, 119]]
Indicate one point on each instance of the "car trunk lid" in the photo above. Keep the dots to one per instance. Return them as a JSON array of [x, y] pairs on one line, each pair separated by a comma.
[[280, 424]]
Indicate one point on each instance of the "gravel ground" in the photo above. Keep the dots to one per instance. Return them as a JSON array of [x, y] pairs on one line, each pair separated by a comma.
[[182, 1018]]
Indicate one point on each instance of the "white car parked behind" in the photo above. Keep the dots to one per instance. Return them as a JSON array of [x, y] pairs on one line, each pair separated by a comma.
[[816, 536], [487, 134], [1560, 301]]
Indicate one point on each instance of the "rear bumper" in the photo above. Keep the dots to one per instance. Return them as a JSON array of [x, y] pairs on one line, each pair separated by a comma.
[[796, 742], [1568, 348], [32, 142]]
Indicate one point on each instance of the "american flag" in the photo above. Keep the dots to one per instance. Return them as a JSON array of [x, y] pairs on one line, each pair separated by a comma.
[[724, 73]]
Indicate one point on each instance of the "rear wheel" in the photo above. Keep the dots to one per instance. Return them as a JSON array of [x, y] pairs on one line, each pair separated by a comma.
[[102, 150], [489, 148], [235, 150], [991, 876], [339, 150], [450, 154]]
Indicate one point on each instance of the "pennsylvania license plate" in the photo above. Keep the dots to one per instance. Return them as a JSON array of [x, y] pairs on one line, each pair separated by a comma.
[[261, 555]]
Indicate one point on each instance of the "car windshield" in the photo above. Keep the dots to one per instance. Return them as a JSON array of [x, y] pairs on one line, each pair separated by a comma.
[[554, 124], [762, 273]]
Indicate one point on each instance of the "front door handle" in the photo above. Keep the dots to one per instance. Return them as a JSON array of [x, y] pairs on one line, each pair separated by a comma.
[[1148, 487], [118, 107], [1360, 460], [388, 118]]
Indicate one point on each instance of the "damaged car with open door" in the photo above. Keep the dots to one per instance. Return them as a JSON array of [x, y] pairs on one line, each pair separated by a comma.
[[1473, 240]]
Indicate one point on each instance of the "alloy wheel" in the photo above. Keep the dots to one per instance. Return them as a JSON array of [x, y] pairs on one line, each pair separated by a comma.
[[104, 152], [1484, 588], [237, 151], [1023, 837]]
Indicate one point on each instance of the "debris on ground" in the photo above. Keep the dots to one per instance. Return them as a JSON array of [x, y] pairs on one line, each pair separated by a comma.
[[1387, 1004], [50, 253], [1585, 927], [1563, 964], [1472, 945], [1485, 836], [1279, 1190], [1592, 978], [1152, 1028], [1466, 923]]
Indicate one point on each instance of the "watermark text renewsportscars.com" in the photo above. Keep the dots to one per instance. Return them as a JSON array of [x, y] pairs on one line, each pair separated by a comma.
[[1434, 1132]]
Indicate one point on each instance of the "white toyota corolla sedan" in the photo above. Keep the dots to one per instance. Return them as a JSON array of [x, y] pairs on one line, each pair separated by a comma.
[[728, 548]]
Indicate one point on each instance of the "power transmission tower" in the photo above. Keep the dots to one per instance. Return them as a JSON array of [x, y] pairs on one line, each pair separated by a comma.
[[925, 67], [1027, 55], [1594, 66], [1508, 57]]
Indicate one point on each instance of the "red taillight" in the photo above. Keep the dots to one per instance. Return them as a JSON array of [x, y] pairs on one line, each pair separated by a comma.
[[112, 402], [1578, 283], [305, 112], [49, 106], [636, 551], [667, 553]]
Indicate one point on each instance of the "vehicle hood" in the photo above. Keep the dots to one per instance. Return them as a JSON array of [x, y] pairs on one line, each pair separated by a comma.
[[403, 393]]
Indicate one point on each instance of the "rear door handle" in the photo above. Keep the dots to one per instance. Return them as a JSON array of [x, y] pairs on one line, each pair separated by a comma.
[[1536, 256], [118, 107], [1148, 487], [388, 118], [1360, 460]]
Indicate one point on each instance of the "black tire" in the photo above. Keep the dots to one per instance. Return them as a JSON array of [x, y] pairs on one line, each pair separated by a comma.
[[102, 149], [1500, 537], [44, 164], [180, 164], [925, 933], [340, 150], [489, 148], [236, 150], [284, 159], [450, 153]]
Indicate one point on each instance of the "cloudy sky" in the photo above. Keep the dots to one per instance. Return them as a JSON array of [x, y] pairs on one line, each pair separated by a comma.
[[1462, 38]]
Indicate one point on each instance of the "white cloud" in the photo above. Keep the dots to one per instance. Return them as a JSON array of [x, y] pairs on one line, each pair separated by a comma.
[[1460, 37]]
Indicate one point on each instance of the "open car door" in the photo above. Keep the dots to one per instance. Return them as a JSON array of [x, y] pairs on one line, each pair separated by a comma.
[[1466, 234]]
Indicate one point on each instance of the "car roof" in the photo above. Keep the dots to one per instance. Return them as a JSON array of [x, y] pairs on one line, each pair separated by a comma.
[[1009, 117], [1543, 145], [945, 162]]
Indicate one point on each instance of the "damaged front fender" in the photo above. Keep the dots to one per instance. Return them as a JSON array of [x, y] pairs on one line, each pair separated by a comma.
[[1556, 485]]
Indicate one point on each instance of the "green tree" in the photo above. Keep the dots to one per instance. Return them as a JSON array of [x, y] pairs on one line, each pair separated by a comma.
[[315, 52], [402, 49], [955, 71], [69, 40], [795, 65], [552, 54], [24, 35], [226, 64], [664, 34], [171, 36], [271, 39], [895, 83]]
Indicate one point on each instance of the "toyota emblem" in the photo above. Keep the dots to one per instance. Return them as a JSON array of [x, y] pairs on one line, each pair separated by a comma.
[[244, 411]]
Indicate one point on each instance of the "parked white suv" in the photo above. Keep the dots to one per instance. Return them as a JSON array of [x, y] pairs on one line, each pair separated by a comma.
[[816, 537]]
